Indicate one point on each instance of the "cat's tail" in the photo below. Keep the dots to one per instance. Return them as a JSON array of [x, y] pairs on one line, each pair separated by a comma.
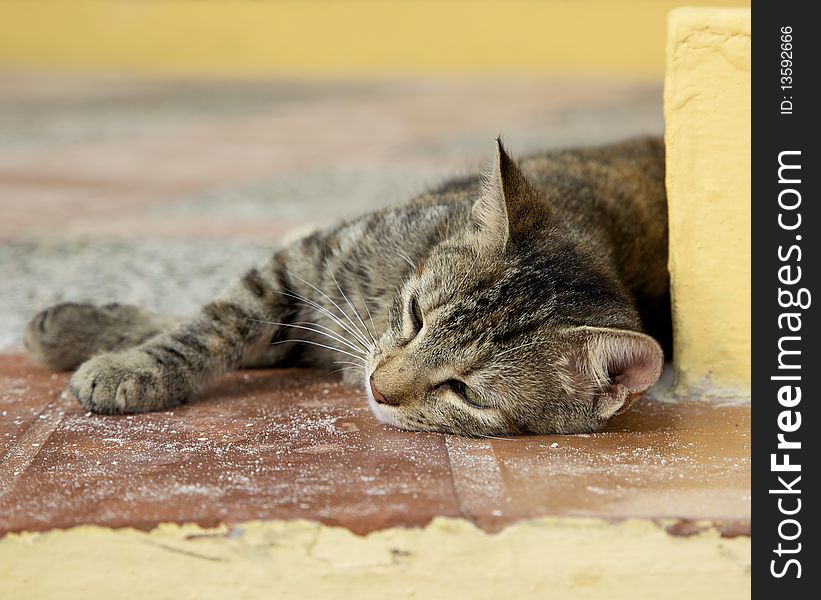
[[65, 335]]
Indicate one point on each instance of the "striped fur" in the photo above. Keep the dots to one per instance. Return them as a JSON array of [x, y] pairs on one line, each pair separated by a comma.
[[541, 287]]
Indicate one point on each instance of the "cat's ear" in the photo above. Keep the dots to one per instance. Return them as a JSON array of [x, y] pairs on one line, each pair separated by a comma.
[[618, 365], [502, 185]]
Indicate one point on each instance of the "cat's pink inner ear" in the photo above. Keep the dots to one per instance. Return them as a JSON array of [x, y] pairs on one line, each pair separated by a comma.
[[624, 365]]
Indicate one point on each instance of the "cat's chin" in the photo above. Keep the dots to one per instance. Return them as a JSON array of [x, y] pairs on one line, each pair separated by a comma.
[[380, 413]]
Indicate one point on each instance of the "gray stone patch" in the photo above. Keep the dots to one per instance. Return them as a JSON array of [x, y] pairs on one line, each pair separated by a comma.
[[164, 275]]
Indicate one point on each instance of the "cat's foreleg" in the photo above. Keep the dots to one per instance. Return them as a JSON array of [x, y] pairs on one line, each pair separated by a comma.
[[169, 368], [65, 335]]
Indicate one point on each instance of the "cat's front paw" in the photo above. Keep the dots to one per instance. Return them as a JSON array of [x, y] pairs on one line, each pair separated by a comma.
[[124, 382]]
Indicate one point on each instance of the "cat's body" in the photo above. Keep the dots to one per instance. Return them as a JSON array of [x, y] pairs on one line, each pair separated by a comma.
[[509, 304]]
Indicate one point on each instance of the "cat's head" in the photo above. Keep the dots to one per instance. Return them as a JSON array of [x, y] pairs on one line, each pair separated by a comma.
[[512, 327]]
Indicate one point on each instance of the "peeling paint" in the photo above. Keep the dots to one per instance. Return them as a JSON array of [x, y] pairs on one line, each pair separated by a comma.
[[563, 557]]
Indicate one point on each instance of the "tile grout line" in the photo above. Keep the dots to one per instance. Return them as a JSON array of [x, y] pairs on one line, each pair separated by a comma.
[[477, 478], [23, 452]]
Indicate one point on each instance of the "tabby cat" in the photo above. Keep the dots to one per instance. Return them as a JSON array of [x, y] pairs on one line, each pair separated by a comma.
[[509, 303]]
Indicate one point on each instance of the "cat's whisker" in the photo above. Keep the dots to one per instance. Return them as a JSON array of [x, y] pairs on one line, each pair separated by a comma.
[[358, 337], [364, 303], [343, 369], [315, 305], [370, 318], [353, 308], [327, 297], [313, 343], [406, 258], [327, 333], [331, 335], [332, 301], [361, 347], [372, 333], [327, 313], [346, 362]]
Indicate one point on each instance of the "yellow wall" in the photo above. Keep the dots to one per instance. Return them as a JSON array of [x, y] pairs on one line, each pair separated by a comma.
[[336, 37], [707, 115], [572, 559]]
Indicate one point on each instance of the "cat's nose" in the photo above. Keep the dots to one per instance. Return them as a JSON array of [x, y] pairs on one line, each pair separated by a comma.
[[377, 395]]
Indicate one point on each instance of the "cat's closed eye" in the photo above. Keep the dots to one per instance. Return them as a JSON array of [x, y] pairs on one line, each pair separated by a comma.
[[416, 318]]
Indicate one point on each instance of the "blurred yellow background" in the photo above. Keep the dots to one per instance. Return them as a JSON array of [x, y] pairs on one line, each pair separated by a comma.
[[338, 38]]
